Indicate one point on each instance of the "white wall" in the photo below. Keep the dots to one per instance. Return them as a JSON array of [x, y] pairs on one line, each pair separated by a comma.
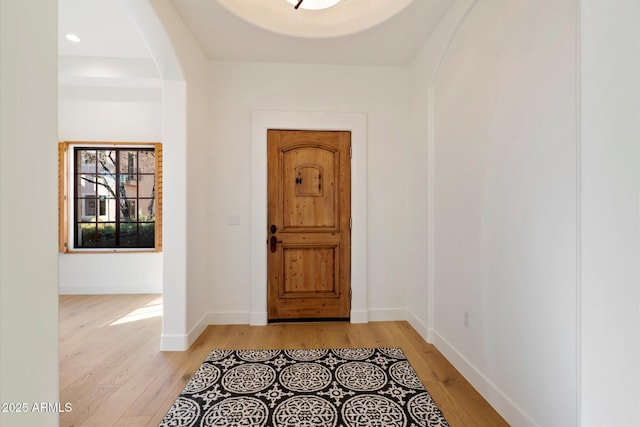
[[505, 207], [417, 204], [610, 187], [121, 273], [28, 223], [110, 114], [422, 71], [239, 88], [186, 287]]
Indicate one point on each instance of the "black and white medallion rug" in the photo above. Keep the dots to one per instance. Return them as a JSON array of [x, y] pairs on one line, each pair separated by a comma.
[[349, 387]]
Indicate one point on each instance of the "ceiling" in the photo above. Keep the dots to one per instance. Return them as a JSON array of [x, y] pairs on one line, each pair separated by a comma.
[[111, 53], [355, 32], [104, 27]]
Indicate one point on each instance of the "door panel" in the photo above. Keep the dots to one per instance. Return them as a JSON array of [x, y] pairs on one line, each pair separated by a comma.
[[310, 191], [309, 210], [309, 272]]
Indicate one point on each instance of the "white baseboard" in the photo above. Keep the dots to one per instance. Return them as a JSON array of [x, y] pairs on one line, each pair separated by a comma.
[[174, 342], [217, 318], [109, 289], [197, 329], [387, 314], [417, 324], [183, 342], [496, 398], [258, 318], [359, 316], [228, 318]]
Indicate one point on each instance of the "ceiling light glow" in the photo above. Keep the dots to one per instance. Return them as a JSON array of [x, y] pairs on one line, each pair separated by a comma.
[[315, 4], [72, 38]]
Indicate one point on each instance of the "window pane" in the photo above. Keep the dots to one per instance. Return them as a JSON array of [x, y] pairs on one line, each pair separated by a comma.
[[146, 186], [146, 161], [86, 210], [140, 235], [86, 184], [128, 161], [98, 235], [146, 209], [90, 207], [86, 235], [102, 204], [106, 161], [129, 235], [106, 186], [126, 214], [147, 235], [127, 188], [107, 235], [133, 209], [86, 160]]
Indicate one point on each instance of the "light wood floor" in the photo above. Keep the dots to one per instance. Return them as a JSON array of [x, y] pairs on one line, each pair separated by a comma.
[[113, 373]]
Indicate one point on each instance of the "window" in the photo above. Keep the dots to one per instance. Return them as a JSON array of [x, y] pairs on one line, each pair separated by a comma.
[[110, 196]]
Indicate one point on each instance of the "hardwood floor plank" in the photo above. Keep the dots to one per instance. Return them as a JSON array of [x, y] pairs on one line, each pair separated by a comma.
[[113, 373], [134, 422]]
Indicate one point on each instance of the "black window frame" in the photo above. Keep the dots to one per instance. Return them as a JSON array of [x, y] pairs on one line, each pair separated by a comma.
[[123, 231]]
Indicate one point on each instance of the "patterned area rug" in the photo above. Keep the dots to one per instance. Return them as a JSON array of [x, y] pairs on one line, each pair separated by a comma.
[[349, 387]]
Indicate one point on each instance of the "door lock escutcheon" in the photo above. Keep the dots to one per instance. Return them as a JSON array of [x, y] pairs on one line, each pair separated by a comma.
[[273, 228], [274, 243]]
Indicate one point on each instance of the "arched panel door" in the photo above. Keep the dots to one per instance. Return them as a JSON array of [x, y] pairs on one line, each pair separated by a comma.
[[309, 213]]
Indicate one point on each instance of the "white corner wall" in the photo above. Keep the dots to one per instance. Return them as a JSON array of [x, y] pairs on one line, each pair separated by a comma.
[[610, 188], [186, 289], [28, 223], [504, 207], [380, 94], [422, 72]]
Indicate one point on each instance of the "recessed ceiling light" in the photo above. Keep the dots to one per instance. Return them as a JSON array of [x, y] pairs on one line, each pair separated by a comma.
[[72, 38], [314, 4]]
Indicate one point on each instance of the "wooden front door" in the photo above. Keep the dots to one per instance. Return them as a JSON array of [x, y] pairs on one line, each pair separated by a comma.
[[309, 217]]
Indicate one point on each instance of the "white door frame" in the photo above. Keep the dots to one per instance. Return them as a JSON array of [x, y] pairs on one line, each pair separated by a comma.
[[261, 121]]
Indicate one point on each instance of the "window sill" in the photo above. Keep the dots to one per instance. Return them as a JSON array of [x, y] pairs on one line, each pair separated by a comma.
[[113, 251]]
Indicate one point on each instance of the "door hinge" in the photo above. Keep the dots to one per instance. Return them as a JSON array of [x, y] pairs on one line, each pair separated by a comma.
[[350, 151], [350, 223], [350, 294]]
